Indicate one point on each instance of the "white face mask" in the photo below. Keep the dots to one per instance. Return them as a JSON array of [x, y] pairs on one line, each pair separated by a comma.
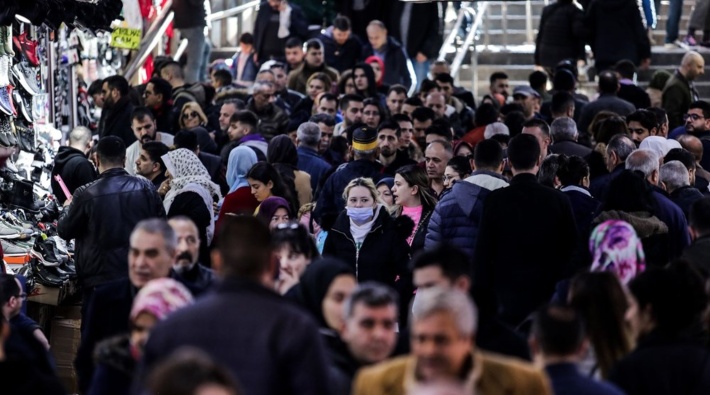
[[360, 214]]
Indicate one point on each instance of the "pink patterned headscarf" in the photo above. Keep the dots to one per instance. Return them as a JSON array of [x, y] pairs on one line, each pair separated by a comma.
[[615, 247], [160, 297]]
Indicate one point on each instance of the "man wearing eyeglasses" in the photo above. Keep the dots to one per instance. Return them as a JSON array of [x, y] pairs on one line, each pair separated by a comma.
[[697, 123]]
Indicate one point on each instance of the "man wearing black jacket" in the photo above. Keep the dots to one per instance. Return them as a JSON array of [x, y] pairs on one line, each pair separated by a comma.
[[526, 239], [420, 29], [391, 52], [245, 314], [342, 48], [72, 165], [116, 113], [101, 216]]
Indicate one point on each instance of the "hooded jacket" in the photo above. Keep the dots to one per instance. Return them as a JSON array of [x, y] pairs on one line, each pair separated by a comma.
[[457, 216], [74, 168]]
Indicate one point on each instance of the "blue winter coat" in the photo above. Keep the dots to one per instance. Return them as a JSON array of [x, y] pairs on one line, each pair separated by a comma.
[[457, 216]]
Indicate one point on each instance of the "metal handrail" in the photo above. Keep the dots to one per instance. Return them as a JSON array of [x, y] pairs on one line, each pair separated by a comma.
[[232, 12], [148, 44], [465, 8]]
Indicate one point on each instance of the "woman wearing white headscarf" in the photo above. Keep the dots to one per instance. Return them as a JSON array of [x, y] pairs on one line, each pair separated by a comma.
[[190, 192], [239, 200]]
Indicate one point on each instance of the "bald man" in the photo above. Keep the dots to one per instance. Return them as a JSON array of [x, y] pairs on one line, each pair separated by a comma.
[[693, 145], [680, 91], [72, 164], [437, 102], [399, 69]]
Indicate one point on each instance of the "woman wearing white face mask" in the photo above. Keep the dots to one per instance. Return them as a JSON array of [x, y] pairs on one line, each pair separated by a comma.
[[367, 238]]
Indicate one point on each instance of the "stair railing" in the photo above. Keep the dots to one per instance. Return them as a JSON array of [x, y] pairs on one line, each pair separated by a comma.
[[476, 11], [157, 29], [151, 38]]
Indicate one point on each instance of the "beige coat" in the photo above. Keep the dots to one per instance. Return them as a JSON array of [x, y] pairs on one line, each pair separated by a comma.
[[491, 375]]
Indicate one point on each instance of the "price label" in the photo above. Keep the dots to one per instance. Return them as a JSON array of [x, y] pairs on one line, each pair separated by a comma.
[[126, 38]]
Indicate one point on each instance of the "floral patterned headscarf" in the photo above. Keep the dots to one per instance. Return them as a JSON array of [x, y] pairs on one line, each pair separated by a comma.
[[615, 247]]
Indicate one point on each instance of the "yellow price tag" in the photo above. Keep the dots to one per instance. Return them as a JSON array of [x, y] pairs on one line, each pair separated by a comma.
[[126, 38]]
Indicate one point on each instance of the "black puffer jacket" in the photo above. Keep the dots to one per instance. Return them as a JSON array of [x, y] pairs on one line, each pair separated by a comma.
[[561, 34], [384, 253], [101, 218]]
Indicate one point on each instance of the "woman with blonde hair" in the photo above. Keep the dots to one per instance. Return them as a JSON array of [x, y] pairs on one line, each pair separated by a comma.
[[193, 119], [365, 236]]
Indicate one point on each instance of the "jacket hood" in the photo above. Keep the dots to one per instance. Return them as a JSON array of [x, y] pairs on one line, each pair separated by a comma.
[[643, 222], [486, 179], [66, 154], [467, 194]]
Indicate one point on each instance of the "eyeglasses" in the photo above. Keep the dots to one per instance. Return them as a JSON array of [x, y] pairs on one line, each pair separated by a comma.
[[694, 117], [187, 115], [288, 225]]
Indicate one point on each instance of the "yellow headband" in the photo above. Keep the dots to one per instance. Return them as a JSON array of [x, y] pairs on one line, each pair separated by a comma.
[[364, 146]]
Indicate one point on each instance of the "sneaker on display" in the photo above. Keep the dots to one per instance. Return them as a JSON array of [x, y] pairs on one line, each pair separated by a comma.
[[7, 40], [27, 47], [5, 63], [23, 105], [27, 77], [5, 130], [6, 102]]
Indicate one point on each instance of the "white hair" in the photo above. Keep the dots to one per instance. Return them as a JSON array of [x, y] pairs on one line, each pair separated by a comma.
[[437, 300], [563, 129], [674, 175], [495, 128], [645, 161], [309, 134]]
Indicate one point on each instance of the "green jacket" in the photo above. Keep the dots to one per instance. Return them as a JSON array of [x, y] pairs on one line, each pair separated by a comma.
[[676, 99]]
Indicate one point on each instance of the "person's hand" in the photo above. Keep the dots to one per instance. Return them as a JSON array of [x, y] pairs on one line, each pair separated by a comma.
[[164, 187], [645, 63], [68, 201], [287, 279], [420, 58]]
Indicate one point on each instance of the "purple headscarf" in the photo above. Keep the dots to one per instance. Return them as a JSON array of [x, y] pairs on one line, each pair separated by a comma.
[[615, 247]]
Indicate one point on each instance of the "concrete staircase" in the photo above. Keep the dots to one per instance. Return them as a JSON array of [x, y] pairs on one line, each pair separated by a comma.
[[513, 53]]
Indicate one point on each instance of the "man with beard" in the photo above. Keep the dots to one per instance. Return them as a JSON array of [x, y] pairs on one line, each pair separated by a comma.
[[286, 98], [192, 274], [157, 96], [229, 108], [436, 156], [369, 334], [117, 110], [390, 156], [444, 325], [351, 107], [697, 123], [314, 62], [150, 162], [145, 130]]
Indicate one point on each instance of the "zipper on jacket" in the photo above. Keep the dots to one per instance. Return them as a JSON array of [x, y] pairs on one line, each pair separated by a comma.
[[357, 247]]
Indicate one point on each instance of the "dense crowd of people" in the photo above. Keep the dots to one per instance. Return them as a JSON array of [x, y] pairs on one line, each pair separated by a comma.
[[331, 214]]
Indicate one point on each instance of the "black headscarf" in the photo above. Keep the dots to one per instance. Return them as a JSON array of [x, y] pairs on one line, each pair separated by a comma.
[[314, 284]]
